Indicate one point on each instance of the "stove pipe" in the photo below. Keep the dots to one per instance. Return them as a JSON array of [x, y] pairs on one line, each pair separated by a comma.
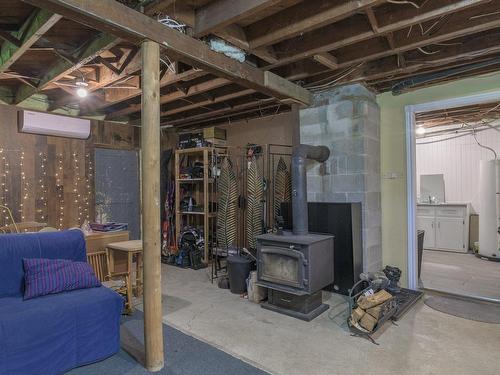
[[299, 183]]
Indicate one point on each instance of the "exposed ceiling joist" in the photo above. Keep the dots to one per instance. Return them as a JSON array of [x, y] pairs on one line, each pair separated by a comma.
[[113, 17], [301, 18], [221, 13], [124, 95], [131, 65], [176, 95], [37, 24], [232, 33], [239, 108], [219, 99], [157, 6], [347, 33], [93, 49], [5, 35], [327, 59]]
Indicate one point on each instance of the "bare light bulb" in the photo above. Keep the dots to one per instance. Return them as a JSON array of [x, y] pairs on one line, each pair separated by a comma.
[[82, 92], [420, 130]]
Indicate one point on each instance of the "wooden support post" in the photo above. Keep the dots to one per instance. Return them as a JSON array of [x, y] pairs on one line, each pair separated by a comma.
[[150, 145]]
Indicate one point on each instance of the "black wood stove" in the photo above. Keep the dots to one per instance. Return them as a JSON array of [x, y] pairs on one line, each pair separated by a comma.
[[295, 266]]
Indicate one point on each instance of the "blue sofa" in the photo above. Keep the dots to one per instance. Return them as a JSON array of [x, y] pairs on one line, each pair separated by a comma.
[[55, 333]]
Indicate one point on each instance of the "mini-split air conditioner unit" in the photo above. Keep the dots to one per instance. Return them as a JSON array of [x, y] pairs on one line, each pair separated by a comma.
[[55, 125]]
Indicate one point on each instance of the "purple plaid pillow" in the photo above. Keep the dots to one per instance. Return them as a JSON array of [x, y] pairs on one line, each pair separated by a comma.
[[49, 276]]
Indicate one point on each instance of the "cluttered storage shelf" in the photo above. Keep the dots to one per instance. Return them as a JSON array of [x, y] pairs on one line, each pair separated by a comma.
[[195, 193]]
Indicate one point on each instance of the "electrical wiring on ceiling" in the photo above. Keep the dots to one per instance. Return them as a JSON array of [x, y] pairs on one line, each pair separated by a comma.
[[483, 146], [402, 2], [467, 129]]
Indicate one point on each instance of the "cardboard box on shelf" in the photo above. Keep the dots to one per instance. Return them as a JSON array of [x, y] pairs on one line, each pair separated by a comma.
[[214, 132]]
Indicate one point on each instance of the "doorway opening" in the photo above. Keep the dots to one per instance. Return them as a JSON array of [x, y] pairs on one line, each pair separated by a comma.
[[453, 169]]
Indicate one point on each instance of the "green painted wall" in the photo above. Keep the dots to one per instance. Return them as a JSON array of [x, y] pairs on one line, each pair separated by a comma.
[[393, 157]]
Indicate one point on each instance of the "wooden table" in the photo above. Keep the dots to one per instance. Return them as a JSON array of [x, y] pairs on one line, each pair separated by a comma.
[[129, 249], [97, 241]]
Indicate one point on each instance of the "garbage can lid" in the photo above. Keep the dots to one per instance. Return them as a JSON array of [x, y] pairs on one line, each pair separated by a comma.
[[239, 259]]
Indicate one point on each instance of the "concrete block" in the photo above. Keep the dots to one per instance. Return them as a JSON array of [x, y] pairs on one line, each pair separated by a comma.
[[371, 147], [372, 200], [340, 110], [355, 197], [349, 183], [314, 184], [372, 182], [355, 164], [312, 115], [352, 146], [338, 165], [328, 196]]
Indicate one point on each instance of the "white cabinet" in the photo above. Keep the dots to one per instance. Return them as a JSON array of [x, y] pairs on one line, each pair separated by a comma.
[[426, 223], [446, 226]]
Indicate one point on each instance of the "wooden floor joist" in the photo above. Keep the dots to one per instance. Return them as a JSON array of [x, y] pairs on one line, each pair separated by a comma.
[[117, 19]]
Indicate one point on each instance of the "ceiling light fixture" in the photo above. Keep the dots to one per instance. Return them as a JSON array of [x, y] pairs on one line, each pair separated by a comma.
[[82, 91], [420, 130]]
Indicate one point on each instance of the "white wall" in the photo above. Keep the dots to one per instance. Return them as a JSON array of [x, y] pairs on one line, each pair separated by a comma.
[[458, 159]]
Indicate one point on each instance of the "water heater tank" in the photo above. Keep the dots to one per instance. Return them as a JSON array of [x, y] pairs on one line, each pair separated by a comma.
[[489, 222]]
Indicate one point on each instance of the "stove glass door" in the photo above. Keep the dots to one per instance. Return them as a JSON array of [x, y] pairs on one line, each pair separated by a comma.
[[282, 265]]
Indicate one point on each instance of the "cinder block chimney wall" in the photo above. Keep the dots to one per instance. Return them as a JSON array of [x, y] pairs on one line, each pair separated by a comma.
[[347, 120]]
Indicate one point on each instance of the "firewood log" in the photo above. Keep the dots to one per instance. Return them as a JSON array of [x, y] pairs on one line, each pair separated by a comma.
[[368, 322], [367, 302], [357, 314]]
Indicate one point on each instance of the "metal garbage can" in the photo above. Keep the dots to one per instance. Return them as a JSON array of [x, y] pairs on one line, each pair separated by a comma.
[[238, 268]]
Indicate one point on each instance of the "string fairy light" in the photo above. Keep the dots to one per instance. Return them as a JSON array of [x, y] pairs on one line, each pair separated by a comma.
[[60, 189], [24, 187], [43, 186], [88, 178], [76, 184], [4, 186]]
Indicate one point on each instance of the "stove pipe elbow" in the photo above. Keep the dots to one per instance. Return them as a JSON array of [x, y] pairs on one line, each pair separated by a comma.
[[299, 183]]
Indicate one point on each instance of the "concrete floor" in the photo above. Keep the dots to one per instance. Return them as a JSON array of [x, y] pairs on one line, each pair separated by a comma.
[[424, 342], [459, 273]]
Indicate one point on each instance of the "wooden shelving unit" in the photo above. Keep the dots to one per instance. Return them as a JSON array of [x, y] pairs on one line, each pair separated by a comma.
[[203, 191]]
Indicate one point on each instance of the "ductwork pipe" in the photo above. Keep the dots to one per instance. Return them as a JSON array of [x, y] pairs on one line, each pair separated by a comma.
[[299, 183]]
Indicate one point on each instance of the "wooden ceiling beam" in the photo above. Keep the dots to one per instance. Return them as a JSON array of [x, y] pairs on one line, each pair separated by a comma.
[[461, 27], [218, 99], [93, 49], [348, 32], [37, 24], [301, 18], [106, 78], [238, 115], [113, 17], [176, 95], [235, 35], [221, 13], [388, 69], [5, 35], [211, 114], [125, 95], [327, 59]]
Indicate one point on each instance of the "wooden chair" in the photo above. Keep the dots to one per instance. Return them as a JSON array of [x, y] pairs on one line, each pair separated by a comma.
[[118, 281]]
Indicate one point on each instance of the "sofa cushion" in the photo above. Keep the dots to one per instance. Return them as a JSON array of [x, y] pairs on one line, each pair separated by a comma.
[[55, 333], [51, 245], [49, 276]]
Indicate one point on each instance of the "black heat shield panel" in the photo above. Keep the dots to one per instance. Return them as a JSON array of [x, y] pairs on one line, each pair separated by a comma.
[[343, 221]]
